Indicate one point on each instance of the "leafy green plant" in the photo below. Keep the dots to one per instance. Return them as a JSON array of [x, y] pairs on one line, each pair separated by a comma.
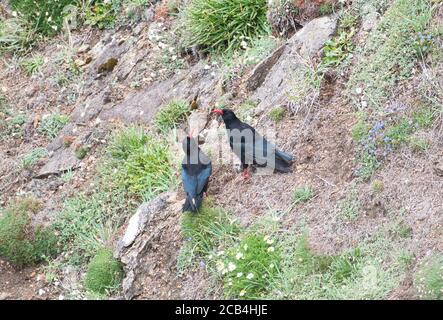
[[277, 114], [249, 267], [20, 243], [171, 115], [51, 125], [30, 159], [338, 49], [225, 24], [302, 194], [104, 273], [429, 278], [101, 13]]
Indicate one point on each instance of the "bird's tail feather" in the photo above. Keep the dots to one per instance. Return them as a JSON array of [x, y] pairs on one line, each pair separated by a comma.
[[282, 166], [284, 156], [192, 204]]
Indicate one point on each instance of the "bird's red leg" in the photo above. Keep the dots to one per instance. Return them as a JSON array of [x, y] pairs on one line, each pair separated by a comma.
[[245, 174]]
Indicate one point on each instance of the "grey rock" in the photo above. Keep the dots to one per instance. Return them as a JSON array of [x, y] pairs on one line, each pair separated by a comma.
[[137, 239], [305, 44], [259, 73], [61, 161]]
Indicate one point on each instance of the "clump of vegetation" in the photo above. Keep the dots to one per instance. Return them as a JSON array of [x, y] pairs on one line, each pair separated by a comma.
[[44, 16], [104, 273], [211, 228], [140, 163], [338, 49], [377, 186], [326, 9], [86, 223], [102, 14], [30, 159], [32, 65], [171, 115], [11, 126], [81, 153], [248, 268], [245, 111], [302, 194], [208, 27], [429, 278], [361, 129], [277, 114], [15, 36], [20, 243], [51, 125]]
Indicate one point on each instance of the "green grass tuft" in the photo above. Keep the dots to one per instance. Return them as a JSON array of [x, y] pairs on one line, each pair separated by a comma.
[[225, 24], [302, 194], [104, 273], [141, 163], [171, 115], [30, 159], [209, 229], [32, 65], [20, 243], [277, 114], [51, 125]]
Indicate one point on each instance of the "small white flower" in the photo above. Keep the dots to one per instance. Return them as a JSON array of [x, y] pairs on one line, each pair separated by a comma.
[[250, 276], [240, 274], [266, 238], [49, 19], [270, 241], [14, 13], [271, 266], [231, 266], [245, 247], [271, 249], [220, 253], [239, 256], [242, 293]]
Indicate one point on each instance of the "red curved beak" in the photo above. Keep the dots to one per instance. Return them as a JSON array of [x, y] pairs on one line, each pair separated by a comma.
[[218, 111]]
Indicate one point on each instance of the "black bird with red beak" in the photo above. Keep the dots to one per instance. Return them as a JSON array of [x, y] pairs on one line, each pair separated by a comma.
[[251, 147], [196, 170]]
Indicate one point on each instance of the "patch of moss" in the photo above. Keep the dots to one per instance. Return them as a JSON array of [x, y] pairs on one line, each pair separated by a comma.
[[104, 273]]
